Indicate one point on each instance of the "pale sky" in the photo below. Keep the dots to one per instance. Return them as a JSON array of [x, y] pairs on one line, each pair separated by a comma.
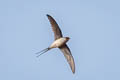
[[92, 25]]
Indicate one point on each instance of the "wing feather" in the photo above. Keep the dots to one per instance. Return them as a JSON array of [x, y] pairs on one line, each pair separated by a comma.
[[67, 53], [55, 27]]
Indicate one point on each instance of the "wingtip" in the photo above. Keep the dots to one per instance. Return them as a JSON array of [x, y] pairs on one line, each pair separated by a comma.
[[47, 15], [73, 72]]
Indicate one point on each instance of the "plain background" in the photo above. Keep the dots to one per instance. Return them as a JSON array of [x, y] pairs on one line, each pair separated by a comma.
[[92, 25]]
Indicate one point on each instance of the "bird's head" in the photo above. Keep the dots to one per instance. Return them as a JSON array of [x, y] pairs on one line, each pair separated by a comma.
[[67, 38]]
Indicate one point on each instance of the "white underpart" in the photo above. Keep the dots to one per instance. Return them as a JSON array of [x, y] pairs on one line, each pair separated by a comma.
[[59, 42]]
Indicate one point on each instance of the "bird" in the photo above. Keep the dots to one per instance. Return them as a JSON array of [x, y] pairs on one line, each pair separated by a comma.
[[59, 42]]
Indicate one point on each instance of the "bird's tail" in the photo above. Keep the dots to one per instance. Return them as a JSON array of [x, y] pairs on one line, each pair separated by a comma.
[[42, 52]]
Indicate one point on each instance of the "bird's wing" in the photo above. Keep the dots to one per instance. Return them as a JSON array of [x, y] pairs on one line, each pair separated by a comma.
[[67, 53], [55, 27]]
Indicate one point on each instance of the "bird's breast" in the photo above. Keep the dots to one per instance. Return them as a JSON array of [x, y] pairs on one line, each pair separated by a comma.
[[59, 42]]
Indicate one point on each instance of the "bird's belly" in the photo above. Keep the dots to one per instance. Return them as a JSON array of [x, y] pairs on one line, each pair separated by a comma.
[[58, 43]]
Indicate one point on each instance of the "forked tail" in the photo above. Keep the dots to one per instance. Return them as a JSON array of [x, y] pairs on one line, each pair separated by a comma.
[[42, 52]]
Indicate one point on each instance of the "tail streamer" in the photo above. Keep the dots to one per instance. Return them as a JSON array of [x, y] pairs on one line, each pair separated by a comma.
[[42, 52]]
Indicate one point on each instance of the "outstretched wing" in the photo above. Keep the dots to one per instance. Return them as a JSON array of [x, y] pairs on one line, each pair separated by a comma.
[[55, 27], [67, 53]]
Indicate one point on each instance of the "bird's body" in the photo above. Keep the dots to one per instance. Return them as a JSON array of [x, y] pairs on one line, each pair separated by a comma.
[[60, 42]]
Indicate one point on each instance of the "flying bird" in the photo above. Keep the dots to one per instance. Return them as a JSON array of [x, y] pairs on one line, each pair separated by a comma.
[[59, 42]]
